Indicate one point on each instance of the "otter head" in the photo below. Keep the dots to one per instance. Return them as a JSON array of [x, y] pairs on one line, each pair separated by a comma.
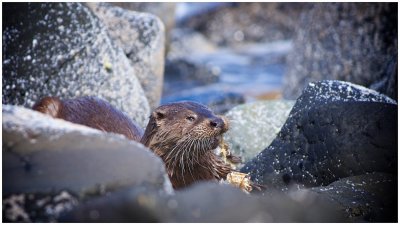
[[183, 126]]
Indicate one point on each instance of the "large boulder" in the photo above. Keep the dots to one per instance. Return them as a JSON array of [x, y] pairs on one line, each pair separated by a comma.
[[62, 49], [254, 126], [336, 129], [47, 156], [355, 42], [142, 38], [205, 202]]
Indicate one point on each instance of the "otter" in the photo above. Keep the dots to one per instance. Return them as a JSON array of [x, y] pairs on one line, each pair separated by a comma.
[[183, 134], [92, 112]]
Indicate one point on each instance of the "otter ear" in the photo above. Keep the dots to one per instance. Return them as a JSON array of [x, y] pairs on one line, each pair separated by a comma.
[[158, 115]]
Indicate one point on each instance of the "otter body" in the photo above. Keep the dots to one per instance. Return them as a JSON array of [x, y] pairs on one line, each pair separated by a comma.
[[182, 134], [92, 112]]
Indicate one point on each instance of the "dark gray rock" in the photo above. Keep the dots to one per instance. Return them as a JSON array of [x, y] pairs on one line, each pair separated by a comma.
[[235, 23], [355, 42], [219, 100], [365, 198], [62, 49], [188, 73], [142, 38], [204, 202], [335, 130], [42, 154]]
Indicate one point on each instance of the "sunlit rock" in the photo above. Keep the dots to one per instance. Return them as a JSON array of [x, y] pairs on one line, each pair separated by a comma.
[[142, 38], [254, 126], [62, 49]]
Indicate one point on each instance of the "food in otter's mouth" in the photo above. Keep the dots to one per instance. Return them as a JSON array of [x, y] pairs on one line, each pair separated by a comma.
[[183, 134], [235, 178]]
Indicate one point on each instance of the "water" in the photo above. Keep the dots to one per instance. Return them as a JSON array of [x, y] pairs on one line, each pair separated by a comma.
[[254, 70]]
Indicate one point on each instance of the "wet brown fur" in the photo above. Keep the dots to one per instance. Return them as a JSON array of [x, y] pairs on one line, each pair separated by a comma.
[[186, 145], [92, 112], [183, 134]]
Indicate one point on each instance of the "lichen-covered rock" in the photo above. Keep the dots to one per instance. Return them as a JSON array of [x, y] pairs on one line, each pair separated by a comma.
[[364, 198], [204, 202], [355, 42], [42, 154], [254, 126], [142, 38], [336, 129], [62, 49], [218, 99]]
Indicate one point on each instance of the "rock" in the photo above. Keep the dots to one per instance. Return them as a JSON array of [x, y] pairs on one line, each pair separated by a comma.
[[217, 98], [42, 155], [364, 198], [335, 130], [37, 207], [354, 42], [62, 49], [235, 23], [186, 73], [142, 38], [164, 10], [185, 42], [203, 202], [253, 126]]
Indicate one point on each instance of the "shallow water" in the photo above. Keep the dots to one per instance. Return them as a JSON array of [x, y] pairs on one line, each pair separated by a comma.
[[254, 70]]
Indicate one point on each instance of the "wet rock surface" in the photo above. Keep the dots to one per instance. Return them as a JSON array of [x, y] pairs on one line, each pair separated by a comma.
[[335, 130], [45, 155], [142, 38], [353, 42], [253, 126], [204, 202], [365, 198], [62, 49]]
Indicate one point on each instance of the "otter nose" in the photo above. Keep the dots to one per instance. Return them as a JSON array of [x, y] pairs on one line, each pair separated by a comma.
[[217, 123]]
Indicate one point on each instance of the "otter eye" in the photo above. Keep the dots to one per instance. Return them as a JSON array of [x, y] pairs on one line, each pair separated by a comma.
[[190, 118]]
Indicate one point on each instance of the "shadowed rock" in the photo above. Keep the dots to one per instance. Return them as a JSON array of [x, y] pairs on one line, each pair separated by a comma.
[[335, 130], [42, 154], [355, 42], [205, 202]]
